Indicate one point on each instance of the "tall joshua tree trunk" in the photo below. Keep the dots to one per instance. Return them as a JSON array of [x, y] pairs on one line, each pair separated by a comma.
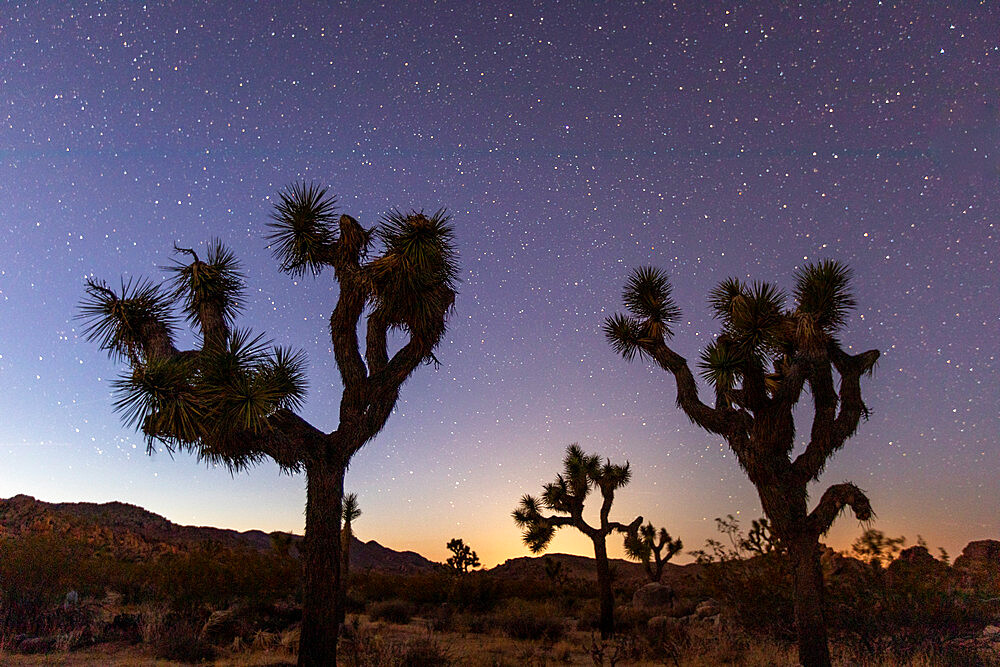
[[810, 622], [604, 588], [321, 564]]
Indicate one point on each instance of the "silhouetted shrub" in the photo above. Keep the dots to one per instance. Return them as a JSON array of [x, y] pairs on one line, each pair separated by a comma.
[[520, 620], [391, 611], [172, 636], [476, 591]]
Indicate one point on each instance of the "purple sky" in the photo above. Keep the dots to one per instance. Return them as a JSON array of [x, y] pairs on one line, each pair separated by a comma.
[[571, 142]]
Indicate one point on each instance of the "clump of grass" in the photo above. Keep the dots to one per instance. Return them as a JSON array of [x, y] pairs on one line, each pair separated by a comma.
[[424, 651]]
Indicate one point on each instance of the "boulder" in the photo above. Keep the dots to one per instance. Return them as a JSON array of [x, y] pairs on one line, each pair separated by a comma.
[[37, 645], [707, 608], [979, 564], [653, 595], [916, 566], [978, 554]]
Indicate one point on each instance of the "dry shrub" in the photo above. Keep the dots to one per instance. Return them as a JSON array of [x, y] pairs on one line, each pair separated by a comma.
[[392, 611], [369, 646], [522, 620], [172, 636]]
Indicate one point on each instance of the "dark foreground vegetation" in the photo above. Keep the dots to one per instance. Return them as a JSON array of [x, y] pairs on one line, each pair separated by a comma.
[[61, 595]]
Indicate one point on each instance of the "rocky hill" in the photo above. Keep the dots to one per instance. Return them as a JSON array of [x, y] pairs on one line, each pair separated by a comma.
[[131, 533]]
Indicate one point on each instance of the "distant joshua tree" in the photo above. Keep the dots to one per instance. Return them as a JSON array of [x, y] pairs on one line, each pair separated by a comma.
[[281, 542], [233, 400], [647, 545], [463, 558], [581, 473], [759, 365], [351, 513]]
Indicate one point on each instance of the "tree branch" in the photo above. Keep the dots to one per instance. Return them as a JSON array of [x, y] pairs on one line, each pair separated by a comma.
[[714, 420], [830, 434], [833, 502], [630, 529], [376, 348]]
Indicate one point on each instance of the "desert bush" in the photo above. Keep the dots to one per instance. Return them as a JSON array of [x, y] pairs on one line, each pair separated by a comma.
[[750, 576], [366, 646], [909, 609], [476, 591], [391, 611], [173, 636], [36, 571], [521, 620], [217, 577]]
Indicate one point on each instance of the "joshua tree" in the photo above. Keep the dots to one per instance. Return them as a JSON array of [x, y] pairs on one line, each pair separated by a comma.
[[233, 401], [763, 358], [646, 545], [281, 543], [463, 558], [581, 473], [351, 513]]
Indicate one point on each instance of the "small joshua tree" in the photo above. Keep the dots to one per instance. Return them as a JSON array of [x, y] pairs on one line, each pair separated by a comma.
[[581, 474], [234, 401], [281, 542], [351, 513], [463, 558], [647, 545], [763, 358]]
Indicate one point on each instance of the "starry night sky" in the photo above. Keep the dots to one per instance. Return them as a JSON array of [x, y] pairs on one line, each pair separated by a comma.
[[570, 142]]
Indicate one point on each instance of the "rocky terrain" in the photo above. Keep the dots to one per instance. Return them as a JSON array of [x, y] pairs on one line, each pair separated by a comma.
[[128, 532]]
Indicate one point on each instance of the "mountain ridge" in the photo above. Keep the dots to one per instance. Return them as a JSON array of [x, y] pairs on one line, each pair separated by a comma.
[[131, 532]]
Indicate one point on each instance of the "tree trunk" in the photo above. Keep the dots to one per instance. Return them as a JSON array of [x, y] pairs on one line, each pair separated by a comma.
[[321, 565], [607, 622], [810, 623]]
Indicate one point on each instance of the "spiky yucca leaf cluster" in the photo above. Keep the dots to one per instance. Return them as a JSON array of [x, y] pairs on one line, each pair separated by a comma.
[[413, 281], [757, 330], [648, 297], [122, 323], [352, 510], [203, 403], [537, 530], [302, 234], [200, 400], [212, 286], [823, 292]]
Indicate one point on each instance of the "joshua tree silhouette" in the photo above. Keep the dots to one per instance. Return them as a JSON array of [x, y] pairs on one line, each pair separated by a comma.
[[233, 400], [581, 473], [647, 545], [759, 365], [351, 513], [463, 558]]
